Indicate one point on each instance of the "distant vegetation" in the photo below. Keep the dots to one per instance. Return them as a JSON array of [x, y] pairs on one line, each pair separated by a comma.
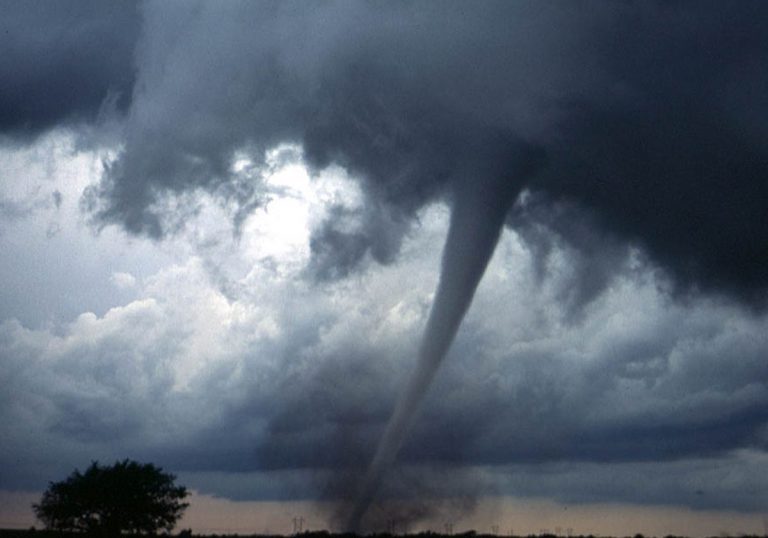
[[325, 534], [124, 498]]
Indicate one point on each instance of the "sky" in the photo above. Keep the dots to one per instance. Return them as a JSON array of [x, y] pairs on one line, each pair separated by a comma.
[[224, 226]]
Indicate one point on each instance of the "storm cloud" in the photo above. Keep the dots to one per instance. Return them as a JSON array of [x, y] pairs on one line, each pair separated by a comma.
[[64, 63], [648, 115]]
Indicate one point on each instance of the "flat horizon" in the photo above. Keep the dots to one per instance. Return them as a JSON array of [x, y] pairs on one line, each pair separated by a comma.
[[211, 515]]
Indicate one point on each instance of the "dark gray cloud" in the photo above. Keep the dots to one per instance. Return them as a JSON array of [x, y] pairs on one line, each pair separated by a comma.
[[64, 62], [648, 116], [340, 244], [543, 409], [674, 161]]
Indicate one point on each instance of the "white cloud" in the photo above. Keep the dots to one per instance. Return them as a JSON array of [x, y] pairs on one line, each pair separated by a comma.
[[123, 280]]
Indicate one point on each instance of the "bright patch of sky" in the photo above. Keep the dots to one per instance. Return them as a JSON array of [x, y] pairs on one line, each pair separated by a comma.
[[57, 265]]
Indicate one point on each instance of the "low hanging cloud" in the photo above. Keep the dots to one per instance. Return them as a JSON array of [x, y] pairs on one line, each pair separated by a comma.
[[636, 379], [65, 63], [646, 115]]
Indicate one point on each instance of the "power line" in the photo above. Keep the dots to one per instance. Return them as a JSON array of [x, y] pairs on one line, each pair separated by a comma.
[[298, 525]]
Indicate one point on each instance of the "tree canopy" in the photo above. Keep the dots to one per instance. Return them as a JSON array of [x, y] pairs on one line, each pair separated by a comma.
[[124, 497]]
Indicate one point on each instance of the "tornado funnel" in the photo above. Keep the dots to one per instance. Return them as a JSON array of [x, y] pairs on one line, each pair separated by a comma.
[[476, 221]]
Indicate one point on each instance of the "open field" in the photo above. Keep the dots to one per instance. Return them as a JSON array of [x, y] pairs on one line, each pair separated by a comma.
[[18, 533]]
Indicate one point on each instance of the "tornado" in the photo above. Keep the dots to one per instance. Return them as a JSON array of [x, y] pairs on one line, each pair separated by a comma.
[[477, 217]]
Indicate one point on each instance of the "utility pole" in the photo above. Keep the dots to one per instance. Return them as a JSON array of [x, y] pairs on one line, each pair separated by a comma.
[[449, 529], [298, 525]]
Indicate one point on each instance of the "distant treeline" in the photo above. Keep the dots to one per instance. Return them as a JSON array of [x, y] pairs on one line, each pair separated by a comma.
[[32, 532]]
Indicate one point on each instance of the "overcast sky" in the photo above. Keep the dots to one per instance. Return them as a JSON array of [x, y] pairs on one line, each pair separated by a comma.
[[221, 228]]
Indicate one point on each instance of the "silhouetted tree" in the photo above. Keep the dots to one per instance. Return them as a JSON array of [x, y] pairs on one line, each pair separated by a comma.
[[125, 497]]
